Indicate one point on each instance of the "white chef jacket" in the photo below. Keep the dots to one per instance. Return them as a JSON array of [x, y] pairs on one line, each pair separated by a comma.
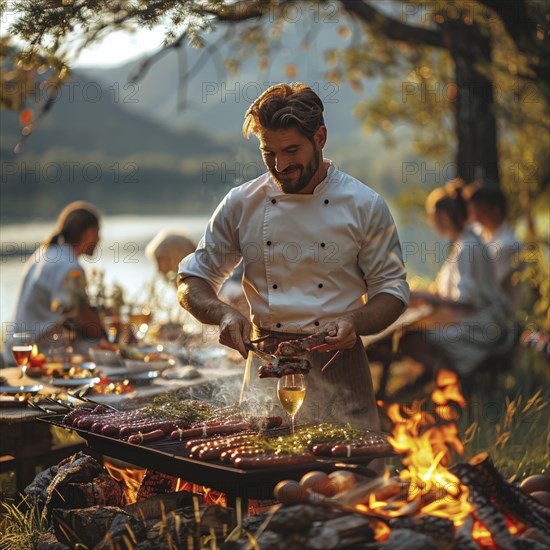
[[307, 258]]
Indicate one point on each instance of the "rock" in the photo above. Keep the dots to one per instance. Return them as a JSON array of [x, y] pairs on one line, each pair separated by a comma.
[[86, 526], [103, 490], [323, 538], [292, 518], [124, 532], [269, 540], [406, 539], [48, 541], [37, 490]]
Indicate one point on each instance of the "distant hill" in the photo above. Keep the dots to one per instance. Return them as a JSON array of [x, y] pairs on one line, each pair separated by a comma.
[[216, 101], [130, 149], [89, 147]]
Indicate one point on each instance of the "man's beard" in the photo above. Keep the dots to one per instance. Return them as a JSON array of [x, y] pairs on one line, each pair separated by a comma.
[[306, 174]]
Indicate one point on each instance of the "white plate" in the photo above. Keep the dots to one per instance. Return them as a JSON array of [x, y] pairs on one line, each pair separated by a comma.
[[12, 390], [74, 382]]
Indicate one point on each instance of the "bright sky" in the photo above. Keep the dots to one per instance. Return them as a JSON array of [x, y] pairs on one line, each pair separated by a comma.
[[114, 49], [119, 47]]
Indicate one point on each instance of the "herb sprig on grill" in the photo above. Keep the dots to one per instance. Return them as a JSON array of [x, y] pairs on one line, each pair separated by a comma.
[[168, 407], [305, 438]]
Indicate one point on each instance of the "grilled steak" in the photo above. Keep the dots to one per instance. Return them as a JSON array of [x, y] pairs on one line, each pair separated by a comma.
[[284, 366], [293, 348]]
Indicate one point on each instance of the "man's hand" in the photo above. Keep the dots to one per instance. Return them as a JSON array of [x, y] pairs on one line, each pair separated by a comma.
[[342, 335], [380, 311], [235, 331], [198, 297]]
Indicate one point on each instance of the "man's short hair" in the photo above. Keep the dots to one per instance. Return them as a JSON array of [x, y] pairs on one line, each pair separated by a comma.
[[285, 106]]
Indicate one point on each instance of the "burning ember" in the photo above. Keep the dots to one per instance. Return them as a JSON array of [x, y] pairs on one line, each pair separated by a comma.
[[426, 441]]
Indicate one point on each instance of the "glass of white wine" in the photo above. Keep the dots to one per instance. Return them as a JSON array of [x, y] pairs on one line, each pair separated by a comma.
[[291, 390], [140, 319], [21, 348]]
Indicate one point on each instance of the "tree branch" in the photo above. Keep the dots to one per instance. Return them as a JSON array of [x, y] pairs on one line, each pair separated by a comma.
[[392, 28]]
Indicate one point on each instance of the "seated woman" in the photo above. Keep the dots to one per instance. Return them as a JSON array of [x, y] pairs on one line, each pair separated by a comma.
[[472, 318], [52, 294]]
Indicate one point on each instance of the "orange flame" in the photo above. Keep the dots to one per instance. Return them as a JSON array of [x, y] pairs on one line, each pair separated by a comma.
[[426, 441], [131, 477]]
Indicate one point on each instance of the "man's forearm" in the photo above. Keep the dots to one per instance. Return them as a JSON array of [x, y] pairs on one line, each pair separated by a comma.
[[199, 299], [379, 312]]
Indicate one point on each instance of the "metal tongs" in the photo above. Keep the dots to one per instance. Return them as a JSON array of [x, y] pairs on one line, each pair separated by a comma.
[[253, 347]]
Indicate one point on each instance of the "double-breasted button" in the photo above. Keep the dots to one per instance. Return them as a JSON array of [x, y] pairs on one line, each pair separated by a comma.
[[316, 323], [275, 287], [273, 201], [268, 243], [323, 245], [278, 325], [320, 285], [326, 201]]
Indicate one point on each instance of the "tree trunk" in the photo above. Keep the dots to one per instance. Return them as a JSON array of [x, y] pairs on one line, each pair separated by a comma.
[[477, 155]]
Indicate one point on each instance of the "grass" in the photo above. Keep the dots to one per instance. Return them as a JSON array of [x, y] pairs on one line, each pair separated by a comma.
[[509, 417], [21, 525]]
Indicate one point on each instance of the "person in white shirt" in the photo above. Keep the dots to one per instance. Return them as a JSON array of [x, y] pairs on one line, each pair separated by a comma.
[[472, 319], [488, 207], [53, 289], [313, 242]]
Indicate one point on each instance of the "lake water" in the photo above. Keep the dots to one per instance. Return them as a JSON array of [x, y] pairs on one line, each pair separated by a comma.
[[120, 253]]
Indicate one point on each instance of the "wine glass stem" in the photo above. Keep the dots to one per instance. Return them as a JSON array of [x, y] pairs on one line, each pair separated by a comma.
[[292, 423]]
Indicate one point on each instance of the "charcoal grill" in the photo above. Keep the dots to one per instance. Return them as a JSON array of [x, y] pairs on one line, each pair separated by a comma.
[[172, 458]]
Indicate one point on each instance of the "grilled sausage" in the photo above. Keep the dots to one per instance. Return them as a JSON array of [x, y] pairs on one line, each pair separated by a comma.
[[166, 426], [343, 450], [271, 461], [321, 449], [139, 438]]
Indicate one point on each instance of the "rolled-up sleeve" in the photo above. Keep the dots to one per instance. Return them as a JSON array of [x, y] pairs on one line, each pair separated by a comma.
[[218, 252], [380, 257]]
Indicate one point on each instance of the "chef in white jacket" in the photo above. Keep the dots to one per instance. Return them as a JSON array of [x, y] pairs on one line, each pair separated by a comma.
[[315, 242]]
